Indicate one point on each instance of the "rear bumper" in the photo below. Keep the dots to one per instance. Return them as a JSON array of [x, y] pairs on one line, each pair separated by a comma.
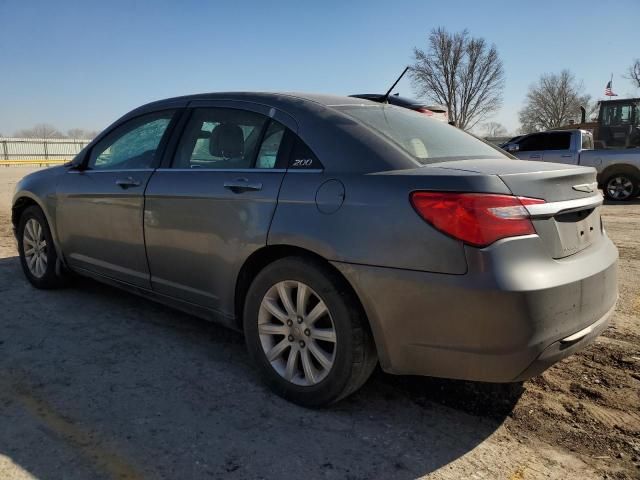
[[565, 347], [507, 319]]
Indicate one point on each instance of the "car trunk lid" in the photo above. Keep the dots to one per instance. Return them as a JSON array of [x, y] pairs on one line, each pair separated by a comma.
[[569, 221]]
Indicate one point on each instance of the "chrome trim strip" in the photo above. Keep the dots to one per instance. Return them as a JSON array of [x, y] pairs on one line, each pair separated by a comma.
[[243, 170], [239, 170], [578, 335], [594, 327], [553, 208], [88, 171]]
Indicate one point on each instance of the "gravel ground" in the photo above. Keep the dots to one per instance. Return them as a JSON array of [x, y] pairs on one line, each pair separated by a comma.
[[97, 383]]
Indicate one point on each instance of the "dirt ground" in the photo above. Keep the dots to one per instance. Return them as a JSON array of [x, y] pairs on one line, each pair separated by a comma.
[[96, 383]]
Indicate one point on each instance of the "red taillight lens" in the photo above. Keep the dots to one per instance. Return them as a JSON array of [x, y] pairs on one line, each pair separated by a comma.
[[425, 111], [478, 219]]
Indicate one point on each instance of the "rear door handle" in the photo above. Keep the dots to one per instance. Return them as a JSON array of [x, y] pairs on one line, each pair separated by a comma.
[[535, 156], [242, 185], [128, 182], [567, 156]]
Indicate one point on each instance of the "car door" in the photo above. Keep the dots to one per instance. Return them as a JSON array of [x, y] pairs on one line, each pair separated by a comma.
[[212, 207], [557, 148], [531, 147], [100, 203]]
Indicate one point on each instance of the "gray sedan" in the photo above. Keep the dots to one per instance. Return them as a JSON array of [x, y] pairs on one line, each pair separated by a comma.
[[337, 233]]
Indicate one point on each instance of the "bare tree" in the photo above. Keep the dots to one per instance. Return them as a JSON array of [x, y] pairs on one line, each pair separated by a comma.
[[81, 133], [42, 130], [552, 102], [633, 73], [462, 72], [494, 129]]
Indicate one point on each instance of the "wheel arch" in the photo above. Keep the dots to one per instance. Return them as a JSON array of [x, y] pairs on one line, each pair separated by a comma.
[[261, 258], [24, 200], [20, 205], [618, 168]]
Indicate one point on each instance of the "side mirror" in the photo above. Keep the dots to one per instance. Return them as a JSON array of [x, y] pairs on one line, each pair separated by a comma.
[[512, 147], [78, 161]]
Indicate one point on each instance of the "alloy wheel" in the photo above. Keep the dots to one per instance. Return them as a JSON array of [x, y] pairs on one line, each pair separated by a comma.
[[35, 248], [297, 333], [620, 187]]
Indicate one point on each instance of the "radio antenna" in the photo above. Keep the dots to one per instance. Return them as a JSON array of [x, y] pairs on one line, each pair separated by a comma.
[[385, 98]]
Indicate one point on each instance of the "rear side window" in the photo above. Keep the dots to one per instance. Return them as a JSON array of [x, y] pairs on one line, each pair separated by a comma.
[[230, 139], [558, 141], [427, 140], [271, 145]]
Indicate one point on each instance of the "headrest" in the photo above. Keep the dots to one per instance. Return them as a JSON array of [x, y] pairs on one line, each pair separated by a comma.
[[227, 141]]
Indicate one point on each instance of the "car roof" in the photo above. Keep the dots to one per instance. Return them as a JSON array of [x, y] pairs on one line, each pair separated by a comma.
[[557, 130], [356, 148], [282, 99]]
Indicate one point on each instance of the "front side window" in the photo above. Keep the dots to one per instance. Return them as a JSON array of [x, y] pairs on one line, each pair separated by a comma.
[[225, 138], [425, 139], [132, 145], [532, 143]]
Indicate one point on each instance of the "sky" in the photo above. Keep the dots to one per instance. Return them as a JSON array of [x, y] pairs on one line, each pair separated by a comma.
[[83, 64]]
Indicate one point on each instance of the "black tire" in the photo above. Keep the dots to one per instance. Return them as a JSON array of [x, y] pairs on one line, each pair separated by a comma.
[[355, 354], [53, 276], [623, 177]]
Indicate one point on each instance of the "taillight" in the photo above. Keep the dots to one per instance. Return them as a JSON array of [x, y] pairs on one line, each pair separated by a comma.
[[425, 111], [478, 219]]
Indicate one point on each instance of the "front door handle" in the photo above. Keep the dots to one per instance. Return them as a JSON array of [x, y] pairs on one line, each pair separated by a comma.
[[535, 156], [242, 185], [128, 182]]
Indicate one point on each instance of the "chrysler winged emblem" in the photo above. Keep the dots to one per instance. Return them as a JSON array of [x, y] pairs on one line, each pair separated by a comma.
[[586, 187]]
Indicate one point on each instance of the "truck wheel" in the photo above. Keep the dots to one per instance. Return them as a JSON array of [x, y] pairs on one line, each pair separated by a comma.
[[621, 186]]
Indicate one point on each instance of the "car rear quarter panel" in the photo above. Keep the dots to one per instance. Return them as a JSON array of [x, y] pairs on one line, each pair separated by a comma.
[[493, 322], [376, 224]]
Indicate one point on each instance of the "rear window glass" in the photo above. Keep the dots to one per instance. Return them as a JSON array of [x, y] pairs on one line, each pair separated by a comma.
[[425, 139]]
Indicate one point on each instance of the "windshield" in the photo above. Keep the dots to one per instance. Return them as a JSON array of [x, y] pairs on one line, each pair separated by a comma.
[[425, 139]]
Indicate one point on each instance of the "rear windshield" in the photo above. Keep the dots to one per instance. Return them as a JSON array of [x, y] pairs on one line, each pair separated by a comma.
[[425, 139]]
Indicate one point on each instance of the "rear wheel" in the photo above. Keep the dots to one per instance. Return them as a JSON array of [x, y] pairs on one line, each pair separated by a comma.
[[37, 253], [621, 186], [306, 332]]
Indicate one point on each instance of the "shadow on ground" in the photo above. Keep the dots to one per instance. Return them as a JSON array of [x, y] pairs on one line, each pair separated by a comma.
[[634, 201], [97, 383]]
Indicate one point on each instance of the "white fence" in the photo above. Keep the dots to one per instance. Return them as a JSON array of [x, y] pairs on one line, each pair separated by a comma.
[[24, 151]]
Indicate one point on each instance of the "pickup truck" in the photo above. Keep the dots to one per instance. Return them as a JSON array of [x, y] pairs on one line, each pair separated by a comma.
[[618, 170]]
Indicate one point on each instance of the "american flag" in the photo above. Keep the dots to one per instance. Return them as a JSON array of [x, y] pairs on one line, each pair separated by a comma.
[[608, 92]]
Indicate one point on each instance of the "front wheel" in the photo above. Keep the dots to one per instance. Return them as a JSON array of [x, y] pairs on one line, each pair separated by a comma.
[[306, 332], [37, 253], [621, 186]]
